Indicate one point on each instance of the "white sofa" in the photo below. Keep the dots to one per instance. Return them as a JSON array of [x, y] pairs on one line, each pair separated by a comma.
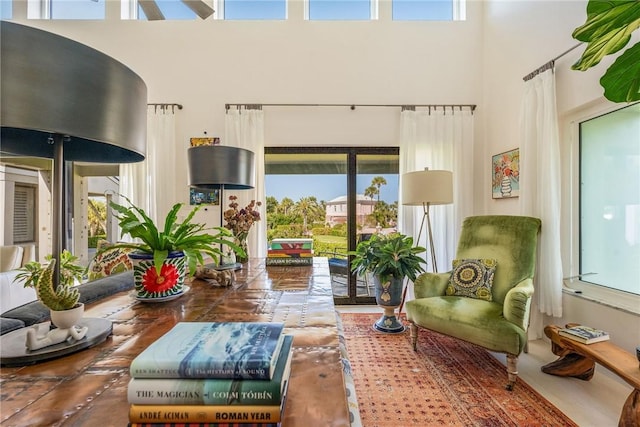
[[13, 294]]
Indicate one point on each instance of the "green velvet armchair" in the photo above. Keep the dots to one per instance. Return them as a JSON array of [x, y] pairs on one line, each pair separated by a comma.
[[486, 299]]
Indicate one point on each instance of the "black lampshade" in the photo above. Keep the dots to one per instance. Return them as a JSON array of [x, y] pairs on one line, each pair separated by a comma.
[[52, 85], [212, 167]]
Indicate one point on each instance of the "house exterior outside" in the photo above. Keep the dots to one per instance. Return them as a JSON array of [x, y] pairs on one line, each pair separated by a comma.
[[336, 210]]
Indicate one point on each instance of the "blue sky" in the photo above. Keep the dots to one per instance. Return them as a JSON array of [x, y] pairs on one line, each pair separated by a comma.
[[325, 187]]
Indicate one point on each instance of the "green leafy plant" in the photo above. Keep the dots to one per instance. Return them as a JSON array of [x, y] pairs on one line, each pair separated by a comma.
[[388, 256], [607, 30], [41, 277], [186, 236]]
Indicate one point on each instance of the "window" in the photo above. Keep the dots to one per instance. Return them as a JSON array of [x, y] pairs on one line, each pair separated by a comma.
[[171, 10], [422, 10], [355, 10], [6, 9], [24, 214], [253, 9], [428, 10], [77, 9], [341, 196], [65, 9], [609, 200]]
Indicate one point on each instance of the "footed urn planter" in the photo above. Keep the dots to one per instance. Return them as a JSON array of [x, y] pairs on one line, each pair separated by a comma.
[[389, 297], [153, 285]]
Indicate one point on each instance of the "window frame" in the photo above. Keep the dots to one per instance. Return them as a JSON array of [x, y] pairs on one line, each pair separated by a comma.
[[570, 221]]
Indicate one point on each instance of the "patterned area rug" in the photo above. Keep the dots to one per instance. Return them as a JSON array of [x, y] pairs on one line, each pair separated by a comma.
[[446, 383]]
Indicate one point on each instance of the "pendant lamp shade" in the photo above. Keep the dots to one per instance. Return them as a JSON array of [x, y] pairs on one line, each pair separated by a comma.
[[52, 85], [434, 187], [214, 167]]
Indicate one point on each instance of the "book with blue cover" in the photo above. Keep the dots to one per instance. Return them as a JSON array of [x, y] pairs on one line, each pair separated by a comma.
[[213, 391], [233, 350]]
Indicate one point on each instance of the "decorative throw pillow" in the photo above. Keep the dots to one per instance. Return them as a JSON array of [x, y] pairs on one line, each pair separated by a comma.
[[109, 262], [472, 278]]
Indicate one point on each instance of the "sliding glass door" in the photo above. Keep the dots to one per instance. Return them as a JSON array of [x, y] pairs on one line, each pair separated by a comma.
[[338, 196]]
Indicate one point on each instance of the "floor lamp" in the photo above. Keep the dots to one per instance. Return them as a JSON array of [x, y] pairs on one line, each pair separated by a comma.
[[220, 167], [427, 188], [68, 102]]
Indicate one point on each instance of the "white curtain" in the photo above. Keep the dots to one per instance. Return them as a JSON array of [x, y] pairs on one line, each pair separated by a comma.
[[150, 184], [540, 190], [244, 128], [438, 138]]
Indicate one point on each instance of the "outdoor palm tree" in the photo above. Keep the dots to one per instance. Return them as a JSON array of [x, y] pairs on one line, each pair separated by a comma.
[[307, 207], [271, 204], [371, 191], [285, 205], [378, 181]]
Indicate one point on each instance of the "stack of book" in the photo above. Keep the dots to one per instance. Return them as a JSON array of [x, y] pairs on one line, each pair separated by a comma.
[[212, 374], [584, 334], [290, 252]]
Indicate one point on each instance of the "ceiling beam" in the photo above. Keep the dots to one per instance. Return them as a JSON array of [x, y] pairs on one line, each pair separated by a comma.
[[151, 10], [199, 7]]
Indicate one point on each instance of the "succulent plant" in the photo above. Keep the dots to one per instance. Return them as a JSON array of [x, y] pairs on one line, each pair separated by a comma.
[[41, 277]]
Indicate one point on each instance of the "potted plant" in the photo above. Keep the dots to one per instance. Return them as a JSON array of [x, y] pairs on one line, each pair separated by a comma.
[[61, 299], [388, 259], [164, 257]]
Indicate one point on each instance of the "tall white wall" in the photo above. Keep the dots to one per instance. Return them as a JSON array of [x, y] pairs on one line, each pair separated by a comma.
[[205, 64]]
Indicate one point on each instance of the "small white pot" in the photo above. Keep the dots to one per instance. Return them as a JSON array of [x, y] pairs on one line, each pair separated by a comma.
[[65, 319]]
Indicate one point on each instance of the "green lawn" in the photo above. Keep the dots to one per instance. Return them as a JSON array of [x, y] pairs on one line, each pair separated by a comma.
[[328, 244]]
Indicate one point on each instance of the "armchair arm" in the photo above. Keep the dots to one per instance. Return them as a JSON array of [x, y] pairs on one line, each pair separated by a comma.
[[431, 284], [517, 304]]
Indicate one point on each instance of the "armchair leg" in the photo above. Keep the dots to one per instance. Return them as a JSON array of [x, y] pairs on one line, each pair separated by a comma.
[[512, 370], [414, 335]]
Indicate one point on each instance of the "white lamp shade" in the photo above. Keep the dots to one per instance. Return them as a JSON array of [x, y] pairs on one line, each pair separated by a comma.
[[433, 187]]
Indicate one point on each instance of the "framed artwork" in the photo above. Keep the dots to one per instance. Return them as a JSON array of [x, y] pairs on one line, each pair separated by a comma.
[[506, 174], [196, 142], [199, 197]]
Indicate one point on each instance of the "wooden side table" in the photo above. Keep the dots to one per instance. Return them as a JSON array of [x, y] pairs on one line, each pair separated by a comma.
[[578, 360]]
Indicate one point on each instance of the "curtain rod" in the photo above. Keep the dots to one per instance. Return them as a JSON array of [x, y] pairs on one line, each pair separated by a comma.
[[549, 65], [166, 105], [353, 106]]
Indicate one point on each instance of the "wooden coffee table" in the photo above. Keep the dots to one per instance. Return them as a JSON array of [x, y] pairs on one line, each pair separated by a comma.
[[578, 360], [89, 388]]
